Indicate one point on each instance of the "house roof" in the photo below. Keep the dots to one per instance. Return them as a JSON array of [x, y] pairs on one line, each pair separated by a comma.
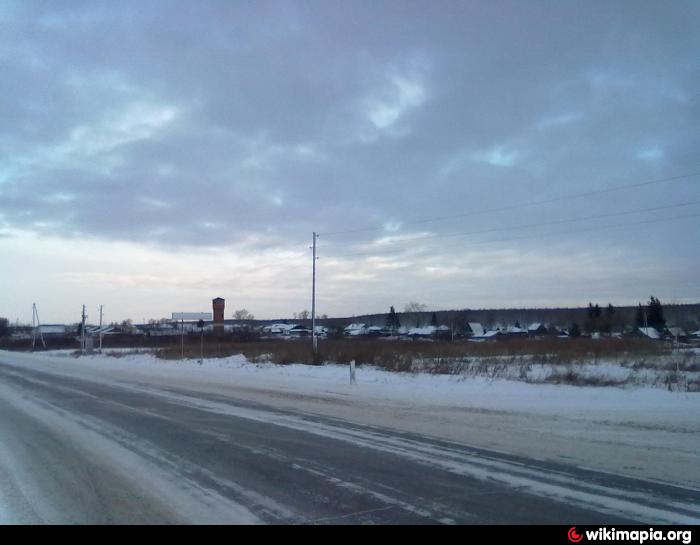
[[476, 328], [355, 326], [429, 330], [676, 331], [649, 332], [280, 327], [97, 329], [52, 328]]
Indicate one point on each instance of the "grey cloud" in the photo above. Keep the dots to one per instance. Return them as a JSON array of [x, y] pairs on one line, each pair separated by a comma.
[[280, 118]]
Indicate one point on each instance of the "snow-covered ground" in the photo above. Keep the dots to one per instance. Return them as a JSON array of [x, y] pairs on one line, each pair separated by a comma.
[[647, 432]]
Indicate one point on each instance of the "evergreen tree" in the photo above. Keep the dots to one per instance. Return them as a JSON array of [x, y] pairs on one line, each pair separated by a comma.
[[639, 316], [574, 330], [591, 311], [606, 322], [593, 322], [433, 320], [656, 314], [392, 320]]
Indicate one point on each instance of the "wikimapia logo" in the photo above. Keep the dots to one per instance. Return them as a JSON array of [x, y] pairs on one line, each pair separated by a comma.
[[638, 536], [574, 536]]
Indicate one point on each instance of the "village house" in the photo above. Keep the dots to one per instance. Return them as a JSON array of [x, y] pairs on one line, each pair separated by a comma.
[[299, 331], [474, 329], [277, 330], [514, 331], [648, 332], [430, 332], [355, 330], [677, 334], [537, 329]]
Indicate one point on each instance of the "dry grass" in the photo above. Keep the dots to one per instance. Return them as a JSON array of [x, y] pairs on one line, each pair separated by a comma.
[[435, 357]]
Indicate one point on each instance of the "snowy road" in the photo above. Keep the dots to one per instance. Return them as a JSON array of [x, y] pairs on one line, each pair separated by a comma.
[[89, 451]]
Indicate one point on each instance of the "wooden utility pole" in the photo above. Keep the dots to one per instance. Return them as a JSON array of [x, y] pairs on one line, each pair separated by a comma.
[[314, 340], [100, 329], [82, 332], [36, 327]]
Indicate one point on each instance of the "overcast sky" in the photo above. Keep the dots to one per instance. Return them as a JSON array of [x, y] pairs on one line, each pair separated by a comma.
[[155, 155]]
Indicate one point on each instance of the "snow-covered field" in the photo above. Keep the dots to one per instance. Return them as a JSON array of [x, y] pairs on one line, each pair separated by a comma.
[[647, 432]]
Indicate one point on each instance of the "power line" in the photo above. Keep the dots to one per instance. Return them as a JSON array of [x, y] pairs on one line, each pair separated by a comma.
[[510, 239], [379, 251], [511, 207], [528, 225], [522, 205]]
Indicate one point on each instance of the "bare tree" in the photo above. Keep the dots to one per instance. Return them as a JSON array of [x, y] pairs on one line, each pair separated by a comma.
[[413, 306], [243, 314], [414, 309]]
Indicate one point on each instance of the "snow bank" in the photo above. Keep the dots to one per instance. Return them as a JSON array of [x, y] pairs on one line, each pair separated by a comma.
[[494, 387], [647, 432]]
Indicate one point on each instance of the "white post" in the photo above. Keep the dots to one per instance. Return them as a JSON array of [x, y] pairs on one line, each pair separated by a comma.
[[352, 372]]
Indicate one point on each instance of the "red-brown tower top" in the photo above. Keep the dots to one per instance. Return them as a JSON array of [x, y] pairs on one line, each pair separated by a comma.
[[218, 307]]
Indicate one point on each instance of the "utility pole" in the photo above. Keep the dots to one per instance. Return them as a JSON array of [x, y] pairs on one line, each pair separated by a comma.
[[313, 297], [200, 325], [100, 329], [36, 328], [82, 333]]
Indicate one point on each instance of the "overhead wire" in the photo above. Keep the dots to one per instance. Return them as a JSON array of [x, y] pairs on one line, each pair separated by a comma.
[[521, 205], [509, 239], [523, 226]]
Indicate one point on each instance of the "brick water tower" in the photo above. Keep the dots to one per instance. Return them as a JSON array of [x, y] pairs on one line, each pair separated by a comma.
[[218, 307]]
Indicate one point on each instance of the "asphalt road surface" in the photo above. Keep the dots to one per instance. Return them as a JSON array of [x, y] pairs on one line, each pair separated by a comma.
[[76, 450]]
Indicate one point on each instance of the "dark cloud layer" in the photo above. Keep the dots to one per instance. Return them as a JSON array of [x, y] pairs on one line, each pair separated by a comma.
[[212, 123]]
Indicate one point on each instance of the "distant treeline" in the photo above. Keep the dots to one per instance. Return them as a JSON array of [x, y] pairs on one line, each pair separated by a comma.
[[686, 316]]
